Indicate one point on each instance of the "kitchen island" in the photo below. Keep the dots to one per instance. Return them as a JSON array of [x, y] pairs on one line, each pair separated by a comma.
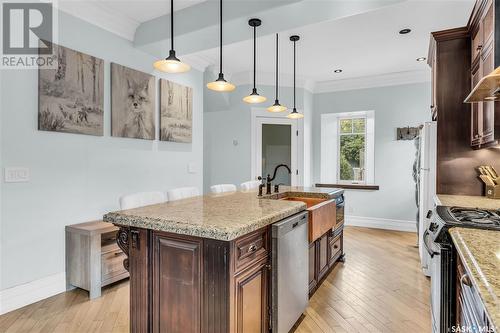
[[203, 264]]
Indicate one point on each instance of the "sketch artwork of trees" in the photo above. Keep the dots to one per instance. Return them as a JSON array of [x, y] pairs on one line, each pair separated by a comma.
[[71, 97], [176, 112]]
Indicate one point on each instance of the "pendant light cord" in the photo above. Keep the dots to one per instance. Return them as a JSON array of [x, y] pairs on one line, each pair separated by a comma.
[[254, 54], [276, 67], [171, 24], [294, 42], [220, 59]]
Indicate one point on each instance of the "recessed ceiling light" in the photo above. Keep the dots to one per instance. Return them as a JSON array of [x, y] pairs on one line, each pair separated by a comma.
[[422, 59], [404, 31], [337, 71]]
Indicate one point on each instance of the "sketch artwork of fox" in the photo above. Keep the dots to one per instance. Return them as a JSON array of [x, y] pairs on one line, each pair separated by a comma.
[[139, 122]]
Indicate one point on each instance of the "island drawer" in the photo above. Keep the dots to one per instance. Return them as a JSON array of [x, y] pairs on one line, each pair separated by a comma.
[[335, 245], [250, 248]]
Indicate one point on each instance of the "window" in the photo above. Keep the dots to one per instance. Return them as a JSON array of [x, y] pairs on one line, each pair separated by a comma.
[[351, 150], [347, 148]]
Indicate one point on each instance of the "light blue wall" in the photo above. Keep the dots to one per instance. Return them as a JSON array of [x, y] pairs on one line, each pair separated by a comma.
[[228, 118], [395, 106], [77, 178]]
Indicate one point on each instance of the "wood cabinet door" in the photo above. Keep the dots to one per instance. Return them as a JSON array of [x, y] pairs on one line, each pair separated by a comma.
[[322, 256], [252, 299], [434, 86], [177, 280], [488, 108], [476, 109], [312, 266]]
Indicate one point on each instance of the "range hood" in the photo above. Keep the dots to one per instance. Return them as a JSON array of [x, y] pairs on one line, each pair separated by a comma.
[[488, 89]]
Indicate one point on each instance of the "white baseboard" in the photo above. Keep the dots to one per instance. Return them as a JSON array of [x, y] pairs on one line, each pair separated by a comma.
[[378, 223], [31, 292]]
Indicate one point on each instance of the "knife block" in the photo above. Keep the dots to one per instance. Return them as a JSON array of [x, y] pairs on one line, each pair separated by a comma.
[[493, 192]]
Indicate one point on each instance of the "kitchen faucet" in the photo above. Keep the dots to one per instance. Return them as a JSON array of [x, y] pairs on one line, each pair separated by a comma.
[[269, 179]]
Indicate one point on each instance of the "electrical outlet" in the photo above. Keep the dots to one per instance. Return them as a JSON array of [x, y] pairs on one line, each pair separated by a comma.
[[191, 167], [16, 175]]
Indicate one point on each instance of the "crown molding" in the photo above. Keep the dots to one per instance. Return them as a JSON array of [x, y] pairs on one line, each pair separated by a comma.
[[382, 80], [268, 79], [100, 15]]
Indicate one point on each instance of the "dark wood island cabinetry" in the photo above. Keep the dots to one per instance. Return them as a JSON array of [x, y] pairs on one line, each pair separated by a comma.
[[205, 264]]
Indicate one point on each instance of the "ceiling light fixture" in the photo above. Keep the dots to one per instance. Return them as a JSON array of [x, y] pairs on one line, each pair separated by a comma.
[[294, 114], [254, 97], [337, 71], [171, 64], [276, 107], [421, 59], [404, 31], [221, 84]]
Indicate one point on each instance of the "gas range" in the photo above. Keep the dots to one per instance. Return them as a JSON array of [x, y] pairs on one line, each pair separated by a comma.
[[446, 217]]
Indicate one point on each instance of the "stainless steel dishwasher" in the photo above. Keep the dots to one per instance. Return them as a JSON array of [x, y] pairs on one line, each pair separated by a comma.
[[290, 262]]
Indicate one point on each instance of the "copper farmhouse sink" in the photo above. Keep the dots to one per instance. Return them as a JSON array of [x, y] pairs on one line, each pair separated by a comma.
[[322, 215]]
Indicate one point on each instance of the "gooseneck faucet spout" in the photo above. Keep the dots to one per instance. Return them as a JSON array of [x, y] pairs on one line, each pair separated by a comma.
[[269, 179], [276, 170]]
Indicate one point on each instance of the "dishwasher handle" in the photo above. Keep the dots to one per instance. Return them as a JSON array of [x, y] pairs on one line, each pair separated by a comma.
[[279, 229]]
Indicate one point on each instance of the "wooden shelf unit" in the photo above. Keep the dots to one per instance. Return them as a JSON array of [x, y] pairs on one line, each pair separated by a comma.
[[93, 258]]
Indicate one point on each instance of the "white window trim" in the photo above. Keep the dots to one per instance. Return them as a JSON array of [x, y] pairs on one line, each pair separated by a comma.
[[330, 144]]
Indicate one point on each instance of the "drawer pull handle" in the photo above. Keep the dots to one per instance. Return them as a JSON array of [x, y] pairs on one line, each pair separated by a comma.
[[335, 246], [252, 248], [118, 253]]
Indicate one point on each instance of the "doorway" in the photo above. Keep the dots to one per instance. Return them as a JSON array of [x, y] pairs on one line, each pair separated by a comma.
[[276, 150], [275, 140]]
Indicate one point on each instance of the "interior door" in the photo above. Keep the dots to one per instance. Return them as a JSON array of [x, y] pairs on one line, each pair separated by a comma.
[[276, 143]]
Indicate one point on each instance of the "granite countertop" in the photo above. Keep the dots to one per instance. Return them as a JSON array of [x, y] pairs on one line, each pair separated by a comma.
[[468, 201], [225, 216], [480, 254]]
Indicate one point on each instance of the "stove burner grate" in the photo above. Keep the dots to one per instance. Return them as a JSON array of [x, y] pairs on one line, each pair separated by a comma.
[[477, 216]]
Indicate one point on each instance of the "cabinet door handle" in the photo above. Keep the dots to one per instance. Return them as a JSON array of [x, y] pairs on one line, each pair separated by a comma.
[[465, 280], [252, 248], [479, 47], [335, 246]]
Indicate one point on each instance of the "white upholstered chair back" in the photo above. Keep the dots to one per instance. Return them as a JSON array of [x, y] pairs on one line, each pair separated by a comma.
[[222, 188], [182, 193], [141, 199], [250, 185]]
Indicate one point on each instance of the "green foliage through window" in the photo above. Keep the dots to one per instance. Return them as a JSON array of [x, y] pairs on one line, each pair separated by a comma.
[[352, 149]]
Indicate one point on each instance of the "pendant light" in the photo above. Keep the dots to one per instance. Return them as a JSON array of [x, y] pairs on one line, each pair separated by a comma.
[[294, 114], [171, 64], [276, 107], [254, 97], [220, 84]]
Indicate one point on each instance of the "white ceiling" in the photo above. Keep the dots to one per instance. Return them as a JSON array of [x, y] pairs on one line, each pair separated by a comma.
[[122, 17], [362, 45]]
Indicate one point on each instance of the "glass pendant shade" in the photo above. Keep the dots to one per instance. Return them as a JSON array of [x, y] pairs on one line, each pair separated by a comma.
[[171, 64], [295, 115], [276, 107], [254, 98], [221, 85]]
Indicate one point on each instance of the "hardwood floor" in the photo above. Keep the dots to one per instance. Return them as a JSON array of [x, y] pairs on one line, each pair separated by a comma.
[[380, 288]]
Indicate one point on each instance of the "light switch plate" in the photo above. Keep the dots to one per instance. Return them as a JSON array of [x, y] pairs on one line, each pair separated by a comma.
[[16, 175], [191, 167]]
